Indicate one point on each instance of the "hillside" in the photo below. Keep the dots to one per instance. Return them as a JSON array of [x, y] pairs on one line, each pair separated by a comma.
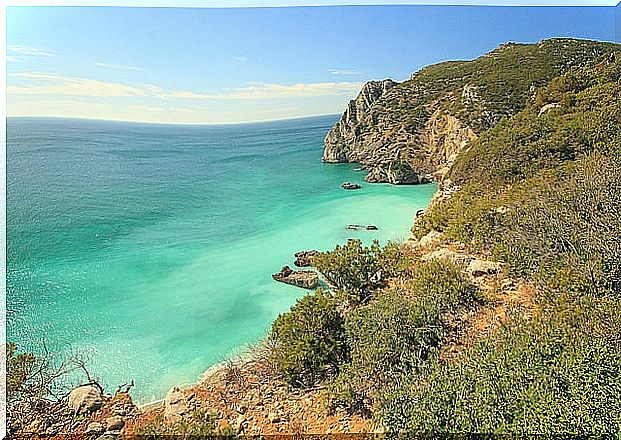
[[406, 132]]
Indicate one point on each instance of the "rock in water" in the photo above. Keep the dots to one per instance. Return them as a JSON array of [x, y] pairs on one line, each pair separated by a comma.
[[372, 228], [85, 399], [349, 185], [174, 405], [307, 279], [303, 258]]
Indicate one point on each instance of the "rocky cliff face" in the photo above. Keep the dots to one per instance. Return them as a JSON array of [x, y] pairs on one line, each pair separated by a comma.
[[342, 138], [411, 132]]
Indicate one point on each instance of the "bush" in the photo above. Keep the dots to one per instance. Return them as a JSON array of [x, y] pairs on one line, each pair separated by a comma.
[[558, 374], [568, 236], [359, 270], [395, 335], [309, 340]]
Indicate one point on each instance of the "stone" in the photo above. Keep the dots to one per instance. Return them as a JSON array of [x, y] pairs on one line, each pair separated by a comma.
[[85, 399], [349, 185], [372, 228], [546, 108], [478, 267], [115, 423], [175, 406], [355, 227], [95, 428], [303, 258], [420, 212], [306, 279], [273, 418], [430, 238], [446, 254]]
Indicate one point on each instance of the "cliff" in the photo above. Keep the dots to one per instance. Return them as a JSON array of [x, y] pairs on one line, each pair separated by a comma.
[[411, 132]]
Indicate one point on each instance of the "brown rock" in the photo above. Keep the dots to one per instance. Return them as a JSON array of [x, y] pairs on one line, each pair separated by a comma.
[[303, 258], [307, 279], [115, 423]]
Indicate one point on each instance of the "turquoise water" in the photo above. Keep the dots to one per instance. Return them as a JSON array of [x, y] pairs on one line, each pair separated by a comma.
[[150, 248]]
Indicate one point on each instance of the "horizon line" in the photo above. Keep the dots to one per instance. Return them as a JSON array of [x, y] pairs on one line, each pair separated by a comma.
[[203, 124]]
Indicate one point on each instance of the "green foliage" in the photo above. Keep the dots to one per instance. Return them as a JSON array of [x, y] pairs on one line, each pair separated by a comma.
[[558, 374], [395, 335], [359, 270], [568, 235], [19, 368], [309, 340], [200, 424]]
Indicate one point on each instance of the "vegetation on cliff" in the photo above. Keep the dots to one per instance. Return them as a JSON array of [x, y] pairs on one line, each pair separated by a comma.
[[540, 192]]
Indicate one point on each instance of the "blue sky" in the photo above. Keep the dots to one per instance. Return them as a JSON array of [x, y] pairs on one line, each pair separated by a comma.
[[232, 65]]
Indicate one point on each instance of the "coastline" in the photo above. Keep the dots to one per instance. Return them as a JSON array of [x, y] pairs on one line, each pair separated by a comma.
[[245, 353]]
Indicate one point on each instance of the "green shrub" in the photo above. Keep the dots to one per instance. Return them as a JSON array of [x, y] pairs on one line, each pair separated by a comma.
[[558, 374], [395, 334], [309, 340], [359, 270]]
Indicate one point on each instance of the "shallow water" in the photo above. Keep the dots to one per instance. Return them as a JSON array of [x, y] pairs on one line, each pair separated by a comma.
[[150, 248]]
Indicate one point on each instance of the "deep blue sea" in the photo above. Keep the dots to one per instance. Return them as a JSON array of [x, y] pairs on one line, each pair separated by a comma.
[[149, 248]]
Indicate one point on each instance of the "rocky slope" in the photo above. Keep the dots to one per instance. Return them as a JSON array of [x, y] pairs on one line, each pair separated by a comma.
[[410, 132]]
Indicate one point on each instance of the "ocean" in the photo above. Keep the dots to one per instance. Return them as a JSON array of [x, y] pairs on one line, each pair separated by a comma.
[[148, 249]]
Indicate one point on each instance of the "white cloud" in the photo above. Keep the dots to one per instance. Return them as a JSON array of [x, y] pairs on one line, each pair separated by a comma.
[[344, 72], [117, 66], [52, 84], [31, 51]]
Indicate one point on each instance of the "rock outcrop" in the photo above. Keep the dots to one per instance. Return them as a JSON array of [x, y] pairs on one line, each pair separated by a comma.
[[411, 132], [175, 406], [85, 399], [306, 279], [303, 258]]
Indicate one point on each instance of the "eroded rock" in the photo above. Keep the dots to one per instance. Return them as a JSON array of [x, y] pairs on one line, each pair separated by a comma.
[[303, 258], [306, 279], [175, 406], [85, 399], [478, 267]]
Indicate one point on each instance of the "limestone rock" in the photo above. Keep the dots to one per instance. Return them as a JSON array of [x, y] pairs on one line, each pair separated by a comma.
[[478, 267], [431, 238], [307, 279], [85, 399], [546, 108], [95, 428], [303, 258], [446, 254], [115, 423], [175, 406]]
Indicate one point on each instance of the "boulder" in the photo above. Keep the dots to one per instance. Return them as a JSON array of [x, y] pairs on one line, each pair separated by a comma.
[[355, 227], [95, 428], [175, 406], [306, 279], [85, 399], [349, 185], [372, 228], [430, 238], [479, 268], [546, 108], [420, 212], [303, 258], [446, 254], [115, 423]]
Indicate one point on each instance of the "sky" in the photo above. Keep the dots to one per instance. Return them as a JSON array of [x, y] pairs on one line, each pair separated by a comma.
[[188, 65]]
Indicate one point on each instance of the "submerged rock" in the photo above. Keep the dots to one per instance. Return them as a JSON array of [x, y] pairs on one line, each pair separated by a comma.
[[354, 227], [372, 228], [349, 185], [306, 279], [303, 258]]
